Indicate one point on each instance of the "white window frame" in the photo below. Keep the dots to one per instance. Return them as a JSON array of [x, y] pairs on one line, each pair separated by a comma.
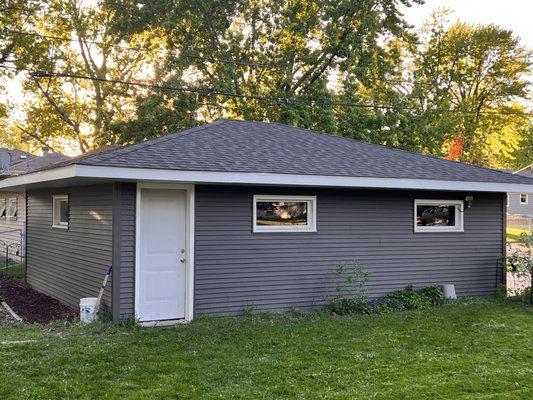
[[526, 201], [311, 214], [56, 213], [13, 216], [459, 216]]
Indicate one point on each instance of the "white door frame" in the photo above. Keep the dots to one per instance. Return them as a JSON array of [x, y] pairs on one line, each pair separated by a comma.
[[189, 243]]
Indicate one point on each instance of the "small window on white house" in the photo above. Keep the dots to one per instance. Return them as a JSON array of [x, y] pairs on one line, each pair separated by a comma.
[[3, 208], [12, 208], [284, 213], [60, 217], [439, 215], [524, 198]]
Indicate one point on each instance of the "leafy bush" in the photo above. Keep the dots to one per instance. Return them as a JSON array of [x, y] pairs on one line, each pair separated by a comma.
[[351, 295], [411, 299], [347, 306]]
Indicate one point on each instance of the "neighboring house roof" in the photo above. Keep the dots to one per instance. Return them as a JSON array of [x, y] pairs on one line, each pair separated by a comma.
[[23, 162], [39, 162], [244, 147], [16, 154], [16, 157], [526, 171]]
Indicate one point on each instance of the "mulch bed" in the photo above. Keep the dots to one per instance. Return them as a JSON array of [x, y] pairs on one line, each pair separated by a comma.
[[30, 305]]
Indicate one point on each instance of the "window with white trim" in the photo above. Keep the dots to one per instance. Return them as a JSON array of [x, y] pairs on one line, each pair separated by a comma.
[[524, 198], [12, 208], [284, 213], [60, 212], [2, 208], [439, 215]]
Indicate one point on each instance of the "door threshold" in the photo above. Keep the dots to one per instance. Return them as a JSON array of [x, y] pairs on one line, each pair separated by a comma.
[[163, 322]]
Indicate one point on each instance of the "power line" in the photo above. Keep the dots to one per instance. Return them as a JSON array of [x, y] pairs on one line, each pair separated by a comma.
[[272, 100], [271, 65], [140, 49]]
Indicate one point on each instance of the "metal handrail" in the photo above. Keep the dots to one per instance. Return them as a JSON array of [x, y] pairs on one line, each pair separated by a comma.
[[13, 230]]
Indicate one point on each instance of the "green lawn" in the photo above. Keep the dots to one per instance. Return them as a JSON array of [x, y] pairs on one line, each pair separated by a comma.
[[513, 233], [473, 349], [14, 270]]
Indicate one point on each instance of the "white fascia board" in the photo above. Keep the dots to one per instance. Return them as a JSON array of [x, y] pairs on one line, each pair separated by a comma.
[[41, 176], [146, 174], [247, 178]]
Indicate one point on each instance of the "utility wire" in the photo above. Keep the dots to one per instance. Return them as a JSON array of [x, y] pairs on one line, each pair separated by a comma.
[[139, 49], [274, 100]]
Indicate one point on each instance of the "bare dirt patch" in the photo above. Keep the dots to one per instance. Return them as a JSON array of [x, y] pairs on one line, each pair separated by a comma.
[[30, 305]]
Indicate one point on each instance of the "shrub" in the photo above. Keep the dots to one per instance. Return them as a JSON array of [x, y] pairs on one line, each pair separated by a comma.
[[351, 296], [347, 306], [350, 290], [411, 299]]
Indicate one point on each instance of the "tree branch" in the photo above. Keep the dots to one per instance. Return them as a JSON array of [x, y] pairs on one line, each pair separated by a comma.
[[36, 137]]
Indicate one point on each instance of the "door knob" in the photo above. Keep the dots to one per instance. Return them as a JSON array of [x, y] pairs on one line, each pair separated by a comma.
[[182, 260]]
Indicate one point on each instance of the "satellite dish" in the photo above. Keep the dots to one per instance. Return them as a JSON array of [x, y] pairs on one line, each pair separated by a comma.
[[5, 160]]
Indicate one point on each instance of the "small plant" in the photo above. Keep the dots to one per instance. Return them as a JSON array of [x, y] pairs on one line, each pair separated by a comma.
[[248, 310], [351, 294], [411, 299]]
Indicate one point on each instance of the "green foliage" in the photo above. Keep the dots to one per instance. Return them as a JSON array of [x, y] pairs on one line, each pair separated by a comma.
[[501, 292], [443, 87], [351, 295], [477, 71], [348, 306], [67, 113], [411, 299]]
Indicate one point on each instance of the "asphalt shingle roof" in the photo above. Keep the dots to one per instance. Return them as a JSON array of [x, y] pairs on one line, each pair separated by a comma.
[[245, 146], [34, 163], [23, 162]]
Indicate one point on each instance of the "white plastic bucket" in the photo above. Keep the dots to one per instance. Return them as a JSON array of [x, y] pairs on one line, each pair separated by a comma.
[[88, 309], [448, 290]]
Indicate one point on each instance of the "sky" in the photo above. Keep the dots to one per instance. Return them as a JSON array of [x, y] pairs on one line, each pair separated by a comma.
[[516, 15]]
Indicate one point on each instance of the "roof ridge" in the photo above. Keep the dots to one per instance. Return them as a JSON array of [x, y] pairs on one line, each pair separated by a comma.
[[522, 169], [161, 139], [380, 145]]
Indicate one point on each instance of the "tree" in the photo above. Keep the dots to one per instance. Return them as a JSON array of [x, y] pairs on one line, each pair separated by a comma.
[[260, 52], [352, 68], [75, 39], [479, 73]]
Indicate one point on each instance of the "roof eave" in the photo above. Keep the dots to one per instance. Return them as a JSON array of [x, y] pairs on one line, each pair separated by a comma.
[[89, 172]]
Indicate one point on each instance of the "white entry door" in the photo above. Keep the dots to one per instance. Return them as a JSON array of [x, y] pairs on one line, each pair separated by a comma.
[[162, 263]]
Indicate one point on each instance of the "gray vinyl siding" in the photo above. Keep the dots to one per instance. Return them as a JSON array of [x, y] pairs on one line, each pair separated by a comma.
[[236, 269], [124, 249], [10, 229], [70, 264], [516, 208]]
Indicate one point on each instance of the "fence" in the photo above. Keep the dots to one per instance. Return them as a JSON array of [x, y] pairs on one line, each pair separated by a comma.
[[12, 261], [522, 222]]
